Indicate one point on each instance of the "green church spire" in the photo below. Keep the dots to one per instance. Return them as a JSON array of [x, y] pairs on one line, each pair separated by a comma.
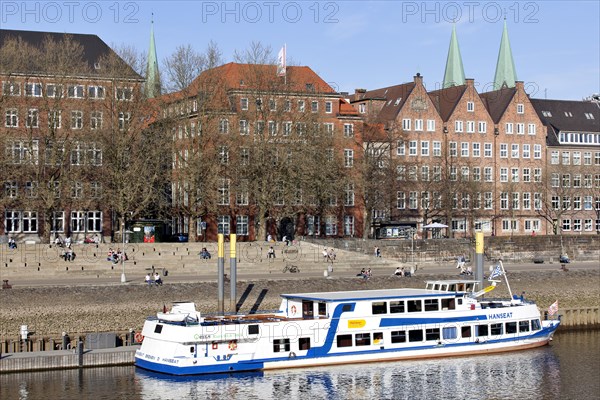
[[506, 74], [455, 73], [152, 88]]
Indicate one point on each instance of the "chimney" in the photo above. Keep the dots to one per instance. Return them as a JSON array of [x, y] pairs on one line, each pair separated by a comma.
[[519, 85], [418, 78], [359, 93], [470, 82]]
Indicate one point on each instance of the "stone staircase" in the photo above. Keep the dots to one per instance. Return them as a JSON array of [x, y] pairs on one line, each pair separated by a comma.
[[39, 260]]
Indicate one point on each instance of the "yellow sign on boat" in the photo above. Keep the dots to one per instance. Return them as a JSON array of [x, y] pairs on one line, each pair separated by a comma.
[[356, 323]]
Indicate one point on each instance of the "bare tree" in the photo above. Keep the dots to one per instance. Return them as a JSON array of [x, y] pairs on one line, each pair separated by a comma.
[[185, 64]]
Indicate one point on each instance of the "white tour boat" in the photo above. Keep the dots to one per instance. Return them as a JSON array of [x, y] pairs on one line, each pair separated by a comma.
[[447, 318]]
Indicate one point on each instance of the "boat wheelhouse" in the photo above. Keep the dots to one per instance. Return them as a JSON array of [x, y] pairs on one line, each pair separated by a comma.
[[447, 318]]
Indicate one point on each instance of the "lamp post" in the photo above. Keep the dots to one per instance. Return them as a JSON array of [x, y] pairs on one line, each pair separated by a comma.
[[123, 279]]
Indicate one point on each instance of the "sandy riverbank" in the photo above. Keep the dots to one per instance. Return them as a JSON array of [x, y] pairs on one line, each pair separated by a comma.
[[51, 310]]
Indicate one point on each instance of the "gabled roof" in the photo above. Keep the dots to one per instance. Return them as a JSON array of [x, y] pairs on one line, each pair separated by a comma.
[[568, 115], [393, 96], [94, 49], [264, 77], [497, 101], [445, 100]]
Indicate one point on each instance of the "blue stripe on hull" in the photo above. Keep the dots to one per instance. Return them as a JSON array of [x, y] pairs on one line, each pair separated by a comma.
[[200, 369]]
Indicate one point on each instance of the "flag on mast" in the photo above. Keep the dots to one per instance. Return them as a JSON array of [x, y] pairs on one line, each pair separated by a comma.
[[553, 309], [281, 62]]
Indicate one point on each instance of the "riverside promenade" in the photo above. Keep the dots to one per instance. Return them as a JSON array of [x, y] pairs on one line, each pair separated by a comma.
[[93, 299]]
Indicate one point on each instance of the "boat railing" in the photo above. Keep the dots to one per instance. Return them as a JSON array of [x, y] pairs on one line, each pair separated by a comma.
[[499, 302]]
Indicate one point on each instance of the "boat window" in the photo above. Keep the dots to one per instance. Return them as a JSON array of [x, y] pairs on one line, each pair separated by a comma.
[[346, 308], [431, 305], [432, 334], [469, 287], [253, 330], [448, 304], [322, 308], [481, 330], [511, 327], [496, 329], [436, 287], [414, 306], [398, 336], [465, 331], [307, 308], [379, 307], [460, 287], [304, 343], [460, 301], [281, 345], [415, 335], [362, 339], [449, 332], [344, 340], [535, 325], [378, 338], [444, 288], [523, 326], [192, 349], [158, 328], [452, 288], [397, 306], [429, 286]]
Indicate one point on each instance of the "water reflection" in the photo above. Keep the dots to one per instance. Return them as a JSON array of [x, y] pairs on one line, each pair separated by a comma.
[[566, 369]]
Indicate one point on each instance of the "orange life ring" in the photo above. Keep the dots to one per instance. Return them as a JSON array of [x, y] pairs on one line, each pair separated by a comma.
[[293, 310], [139, 338], [232, 345], [215, 345]]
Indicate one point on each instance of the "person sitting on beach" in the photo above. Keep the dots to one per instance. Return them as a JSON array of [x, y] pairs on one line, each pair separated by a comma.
[[399, 272], [57, 241], [362, 272], [68, 242], [325, 254], [148, 280], [285, 240], [12, 244], [271, 252]]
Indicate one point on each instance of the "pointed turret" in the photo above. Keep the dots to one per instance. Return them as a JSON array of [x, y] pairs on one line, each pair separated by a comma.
[[152, 88], [506, 74], [455, 73]]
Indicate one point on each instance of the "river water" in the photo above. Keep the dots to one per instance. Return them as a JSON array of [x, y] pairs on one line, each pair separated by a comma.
[[569, 368]]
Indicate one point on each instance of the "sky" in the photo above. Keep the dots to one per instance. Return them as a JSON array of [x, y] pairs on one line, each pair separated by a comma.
[[354, 44]]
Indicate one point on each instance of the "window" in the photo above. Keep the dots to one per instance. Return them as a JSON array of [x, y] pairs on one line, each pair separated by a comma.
[[379, 307], [223, 224], [76, 119], [514, 150], [487, 150], [400, 200], [488, 174], [95, 92], [314, 106], [412, 148], [348, 130], [124, 118], [509, 128], [12, 118], [520, 129], [431, 125], [348, 225], [244, 127], [482, 126], [94, 154], [329, 107], [348, 158], [554, 157], [330, 225], [406, 122], [33, 89], [415, 335], [401, 148], [453, 149], [520, 108], [272, 105], [476, 149], [476, 174], [470, 106], [503, 150], [398, 336], [531, 129], [244, 103], [504, 201], [437, 149], [272, 128], [576, 158], [96, 120], [224, 126], [487, 201], [349, 194], [223, 155], [223, 192], [30, 221], [301, 105], [32, 118], [77, 190], [470, 126], [54, 91], [425, 148], [344, 340], [11, 88], [95, 190], [458, 126], [75, 91], [464, 149], [432, 334], [537, 151], [418, 124], [241, 225], [11, 189], [124, 93], [526, 150]]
